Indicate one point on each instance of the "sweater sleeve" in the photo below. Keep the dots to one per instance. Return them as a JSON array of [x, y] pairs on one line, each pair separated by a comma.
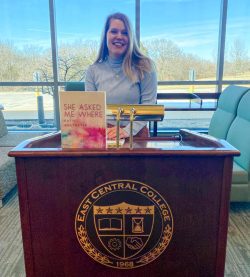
[[148, 91], [90, 80]]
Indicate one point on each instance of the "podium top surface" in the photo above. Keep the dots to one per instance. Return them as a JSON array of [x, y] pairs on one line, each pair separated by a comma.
[[185, 143]]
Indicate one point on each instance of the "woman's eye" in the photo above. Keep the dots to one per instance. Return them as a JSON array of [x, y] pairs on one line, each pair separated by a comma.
[[113, 32]]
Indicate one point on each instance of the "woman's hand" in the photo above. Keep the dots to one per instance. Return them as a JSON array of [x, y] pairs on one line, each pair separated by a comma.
[[111, 133]]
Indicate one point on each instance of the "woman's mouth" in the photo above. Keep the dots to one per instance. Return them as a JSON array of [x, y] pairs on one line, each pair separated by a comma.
[[118, 43]]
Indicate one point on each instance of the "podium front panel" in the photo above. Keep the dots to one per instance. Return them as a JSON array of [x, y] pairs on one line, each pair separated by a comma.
[[130, 195]]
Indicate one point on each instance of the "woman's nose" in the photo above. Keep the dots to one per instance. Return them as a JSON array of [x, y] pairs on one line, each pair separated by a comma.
[[119, 35]]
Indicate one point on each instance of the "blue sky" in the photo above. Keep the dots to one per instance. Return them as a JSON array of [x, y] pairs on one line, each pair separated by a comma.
[[191, 24]]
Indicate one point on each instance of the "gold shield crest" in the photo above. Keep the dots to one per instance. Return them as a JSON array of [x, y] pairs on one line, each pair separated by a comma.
[[124, 229], [124, 224]]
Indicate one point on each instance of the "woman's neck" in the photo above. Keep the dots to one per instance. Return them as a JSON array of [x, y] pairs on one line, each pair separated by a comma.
[[115, 60]]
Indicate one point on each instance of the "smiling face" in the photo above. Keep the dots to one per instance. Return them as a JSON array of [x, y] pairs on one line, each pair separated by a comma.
[[117, 39]]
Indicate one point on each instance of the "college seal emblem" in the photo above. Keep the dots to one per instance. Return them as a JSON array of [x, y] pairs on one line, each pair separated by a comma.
[[124, 224]]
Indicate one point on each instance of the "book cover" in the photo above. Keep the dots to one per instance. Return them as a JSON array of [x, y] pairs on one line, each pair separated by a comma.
[[83, 119]]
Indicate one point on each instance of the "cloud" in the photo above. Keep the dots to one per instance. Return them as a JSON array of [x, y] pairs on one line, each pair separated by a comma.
[[38, 30], [198, 33], [200, 37], [166, 1]]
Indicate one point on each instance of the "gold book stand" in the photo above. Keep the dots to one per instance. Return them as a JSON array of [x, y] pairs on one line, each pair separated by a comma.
[[131, 113]]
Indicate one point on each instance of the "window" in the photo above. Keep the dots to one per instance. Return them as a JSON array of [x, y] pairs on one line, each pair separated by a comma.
[[237, 50], [27, 108], [181, 37], [25, 57], [25, 40], [79, 33]]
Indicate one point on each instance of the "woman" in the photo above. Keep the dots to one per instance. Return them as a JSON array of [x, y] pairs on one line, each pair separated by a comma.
[[127, 76]]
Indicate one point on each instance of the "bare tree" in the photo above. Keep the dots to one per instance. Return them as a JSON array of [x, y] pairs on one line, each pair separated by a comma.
[[73, 61], [10, 67], [238, 57], [173, 63]]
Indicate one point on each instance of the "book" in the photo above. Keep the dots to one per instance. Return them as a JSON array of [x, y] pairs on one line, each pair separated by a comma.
[[83, 119]]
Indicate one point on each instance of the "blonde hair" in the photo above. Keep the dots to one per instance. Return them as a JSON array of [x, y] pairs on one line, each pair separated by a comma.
[[135, 63]]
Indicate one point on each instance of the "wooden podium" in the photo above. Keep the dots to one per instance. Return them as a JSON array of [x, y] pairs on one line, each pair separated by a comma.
[[183, 182]]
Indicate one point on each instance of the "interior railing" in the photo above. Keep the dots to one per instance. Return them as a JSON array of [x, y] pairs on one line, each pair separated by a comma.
[[195, 102]]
